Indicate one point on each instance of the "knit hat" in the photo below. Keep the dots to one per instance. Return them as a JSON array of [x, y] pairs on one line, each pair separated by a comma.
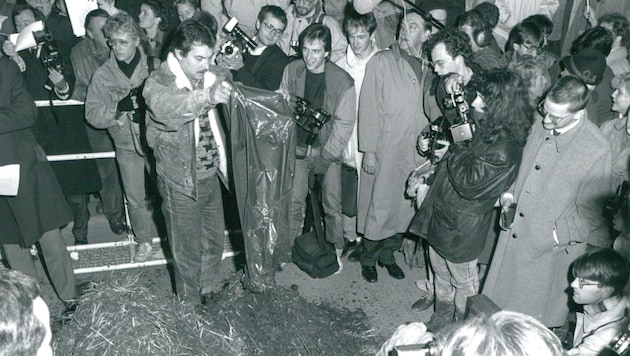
[[588, 64]]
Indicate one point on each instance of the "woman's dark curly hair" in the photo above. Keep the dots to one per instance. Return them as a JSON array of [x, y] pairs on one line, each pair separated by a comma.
[[509, 114]]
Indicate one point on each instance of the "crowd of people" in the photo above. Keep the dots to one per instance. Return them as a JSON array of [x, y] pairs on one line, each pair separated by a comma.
[[512, 116]]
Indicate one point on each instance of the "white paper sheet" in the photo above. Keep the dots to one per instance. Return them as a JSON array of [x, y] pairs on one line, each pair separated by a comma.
[[9, 179], [25, 39]]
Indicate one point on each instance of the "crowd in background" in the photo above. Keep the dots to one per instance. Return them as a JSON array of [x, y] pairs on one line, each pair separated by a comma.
[[493, 137]]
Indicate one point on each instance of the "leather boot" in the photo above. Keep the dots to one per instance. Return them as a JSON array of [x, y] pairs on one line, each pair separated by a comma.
[[442, 317]]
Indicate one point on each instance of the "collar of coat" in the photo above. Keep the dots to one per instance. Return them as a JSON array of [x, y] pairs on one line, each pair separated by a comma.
[[181, 80]]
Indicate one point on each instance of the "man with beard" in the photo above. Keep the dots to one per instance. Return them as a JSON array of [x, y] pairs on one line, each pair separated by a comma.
[[303, 14]]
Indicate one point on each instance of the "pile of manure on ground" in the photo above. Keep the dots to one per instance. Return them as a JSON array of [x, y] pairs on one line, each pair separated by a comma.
[[118, 315]]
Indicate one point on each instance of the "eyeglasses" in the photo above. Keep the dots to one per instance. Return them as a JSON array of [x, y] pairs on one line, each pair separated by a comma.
[[121, 43], [582, 283], [531, 48], [274, 31], [305, 1], [543, 112]]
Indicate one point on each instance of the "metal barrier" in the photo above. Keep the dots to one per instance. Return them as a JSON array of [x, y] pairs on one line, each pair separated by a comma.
[[110, 256]]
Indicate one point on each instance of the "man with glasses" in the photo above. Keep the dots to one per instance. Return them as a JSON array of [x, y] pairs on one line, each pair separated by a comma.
[[114, 102], [304, 13], [599, 278], [556, 203], [263, 67]]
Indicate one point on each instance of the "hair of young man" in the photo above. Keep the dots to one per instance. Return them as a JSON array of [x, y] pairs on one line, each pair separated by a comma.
[[489, 11], [621, 81], [275, 11], [476, 21], [207, 19], [20, 8], [605, 266], [191, 33], [194, 3], [543, 22], [502, 333], [157, 6], [21, 332], [122, 22], [316, 31], [524, 33], [620, 26], [598, 38], [457, 43], [569, 89], [528, 68], [509, 114], [96, 13], [355, 20]]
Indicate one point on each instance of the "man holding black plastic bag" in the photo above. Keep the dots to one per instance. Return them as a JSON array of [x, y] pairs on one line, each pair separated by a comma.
[[326, 89]]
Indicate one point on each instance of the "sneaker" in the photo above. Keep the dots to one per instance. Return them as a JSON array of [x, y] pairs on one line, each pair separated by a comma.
[[144, 252]]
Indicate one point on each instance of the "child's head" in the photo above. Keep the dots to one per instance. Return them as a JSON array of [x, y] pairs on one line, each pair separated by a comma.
[[599, 274]]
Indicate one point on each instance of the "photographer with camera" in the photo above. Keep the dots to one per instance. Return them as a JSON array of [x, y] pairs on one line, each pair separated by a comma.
[[59, 129], [457, 212], [114, 102], [261, 67], [327, 87], [617, 132]]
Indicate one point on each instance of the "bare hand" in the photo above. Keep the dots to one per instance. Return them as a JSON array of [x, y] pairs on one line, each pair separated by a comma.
[[233, 62], [506, 200], [9, 49], [221, 93], [440, 152], [423, 144], [57, 78], [369, 162], [453, 83]]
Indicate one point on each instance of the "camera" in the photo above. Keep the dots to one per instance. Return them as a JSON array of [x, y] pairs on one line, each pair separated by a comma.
[[139, 105], [434, 134], [311, 120], [240, 40], [49, 57], [463, 130], [427, 349]]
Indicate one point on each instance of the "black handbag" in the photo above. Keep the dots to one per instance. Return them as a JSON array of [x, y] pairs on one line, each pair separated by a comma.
[[311, 252]]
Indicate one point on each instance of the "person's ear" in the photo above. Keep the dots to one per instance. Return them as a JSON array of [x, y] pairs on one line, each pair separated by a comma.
[[257, 25], [607, 291], [178, 54]]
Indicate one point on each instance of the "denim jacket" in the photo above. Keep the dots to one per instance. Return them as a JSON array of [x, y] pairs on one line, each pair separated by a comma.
[[171, 114]]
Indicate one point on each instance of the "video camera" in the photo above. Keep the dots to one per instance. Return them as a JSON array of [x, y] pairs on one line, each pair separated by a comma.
[[49, 57], [311, 120], [241, 41], [463, 129]]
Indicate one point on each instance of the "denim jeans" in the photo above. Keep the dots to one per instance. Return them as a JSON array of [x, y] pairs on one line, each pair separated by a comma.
[[133, 168], [331, 199], [454, 282], [196, 234]]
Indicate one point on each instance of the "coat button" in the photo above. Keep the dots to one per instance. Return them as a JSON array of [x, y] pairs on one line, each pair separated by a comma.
[[514, 236], [537, 167], [521, 214]]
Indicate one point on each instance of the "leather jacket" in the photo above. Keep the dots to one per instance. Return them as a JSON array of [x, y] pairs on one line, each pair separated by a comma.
[[456, 214]]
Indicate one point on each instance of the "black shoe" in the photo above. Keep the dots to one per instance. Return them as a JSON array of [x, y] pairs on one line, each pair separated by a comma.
[[355, 256], [369, 273], [118, 227], [347, 246], [80, 241], [70, 308], [206, 298], [393, 270], [423, 303]]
